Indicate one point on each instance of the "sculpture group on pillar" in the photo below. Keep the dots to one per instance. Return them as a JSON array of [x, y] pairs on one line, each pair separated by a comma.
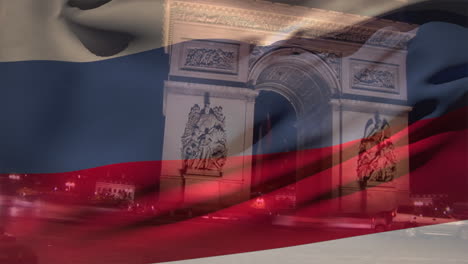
[[376, 160], [204, 139]]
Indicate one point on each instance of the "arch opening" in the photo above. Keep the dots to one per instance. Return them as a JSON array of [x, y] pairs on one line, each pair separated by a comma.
[[299, 85], [274, 145]]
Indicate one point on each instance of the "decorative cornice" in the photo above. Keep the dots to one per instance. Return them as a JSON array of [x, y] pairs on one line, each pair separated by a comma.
[[370, 106], [214, 90], [284, 19]]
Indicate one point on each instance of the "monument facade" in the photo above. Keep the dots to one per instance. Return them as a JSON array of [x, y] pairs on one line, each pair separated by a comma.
[[344, 75]]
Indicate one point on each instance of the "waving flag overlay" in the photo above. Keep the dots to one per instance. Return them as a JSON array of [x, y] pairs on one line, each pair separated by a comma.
[[222, 128]]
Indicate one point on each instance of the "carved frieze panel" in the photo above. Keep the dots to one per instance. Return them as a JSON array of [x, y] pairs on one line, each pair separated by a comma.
[[380, 77], [210, 59], [209, 56], [204, 148], [376, 159]]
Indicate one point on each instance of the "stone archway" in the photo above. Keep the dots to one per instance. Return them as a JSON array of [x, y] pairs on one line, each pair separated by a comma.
[[306, 81], [309, 84], [274, 143]]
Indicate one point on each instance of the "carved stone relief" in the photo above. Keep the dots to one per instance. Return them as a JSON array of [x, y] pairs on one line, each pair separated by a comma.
[[374, 77], [210, 56], [204, 149], [376, 160]]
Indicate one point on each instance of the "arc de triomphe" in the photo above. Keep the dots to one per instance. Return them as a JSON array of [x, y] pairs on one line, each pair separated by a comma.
[[343, 75]]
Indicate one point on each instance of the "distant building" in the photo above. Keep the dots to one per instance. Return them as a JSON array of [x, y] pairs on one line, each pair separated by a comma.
[[115, 190]]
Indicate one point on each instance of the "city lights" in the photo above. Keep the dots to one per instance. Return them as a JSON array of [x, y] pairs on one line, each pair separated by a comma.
[[70, 184], [15, 177]]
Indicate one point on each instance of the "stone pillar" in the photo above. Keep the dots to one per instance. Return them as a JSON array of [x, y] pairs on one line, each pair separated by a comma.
[[218, 137], [351, 117]]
